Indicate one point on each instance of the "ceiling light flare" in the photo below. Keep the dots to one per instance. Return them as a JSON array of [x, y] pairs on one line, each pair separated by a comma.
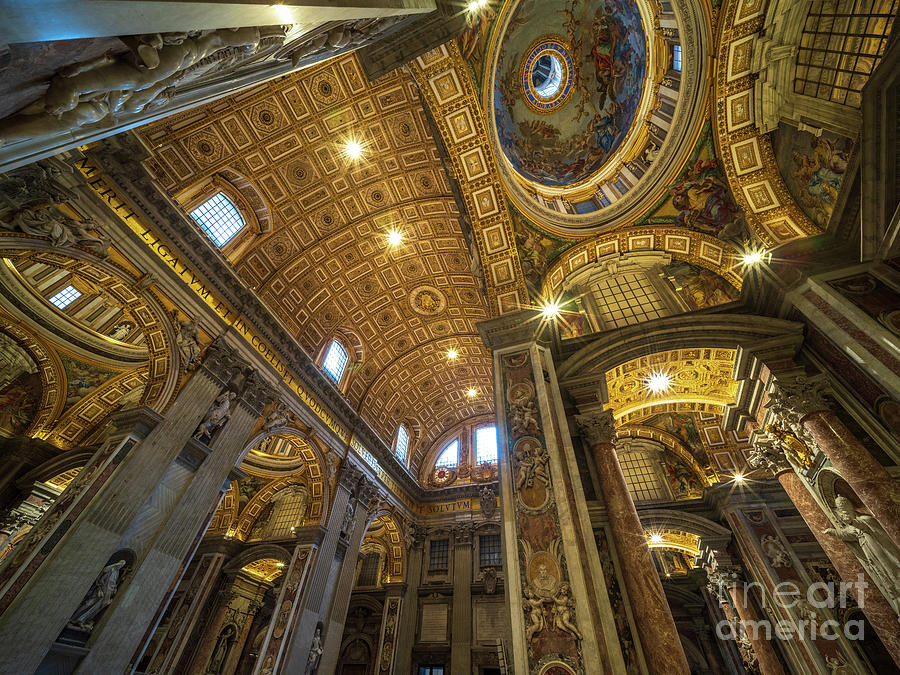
[[353, 149], [656, 538], [472, 393], [550, 310], [658, 382], [476, 5], [738, 478], [753, 257], [452, 354], [395, 237]]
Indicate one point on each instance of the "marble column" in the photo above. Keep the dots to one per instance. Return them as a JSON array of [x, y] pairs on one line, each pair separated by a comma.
[[318, 599], [461, 642], [172, 521], [94, 513], [767, 658], [415, 539], [877, 609], [652, 616], [799, 404], [334, 627]]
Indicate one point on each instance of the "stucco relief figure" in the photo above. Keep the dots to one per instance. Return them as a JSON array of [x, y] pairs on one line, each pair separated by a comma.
[[98, 90], [216, 416], [62, 230], [488, 502], [534, 606], [562, 612], [188, 339], [99, 597], [315, 653], [347, 523], [277, 418], [775, 550], [879, 553], [121, 330], [533, 464], [523, 417]]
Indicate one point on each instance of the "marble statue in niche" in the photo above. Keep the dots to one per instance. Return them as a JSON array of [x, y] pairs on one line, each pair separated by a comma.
[[879, 554], [98, 597], [315, 652], [222, 648], [775, 551]]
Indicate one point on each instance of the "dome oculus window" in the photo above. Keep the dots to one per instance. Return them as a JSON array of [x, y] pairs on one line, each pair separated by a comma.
[[486, 445], [65, 297], [449, 458], [402, 443], [219, 218], [335, 361], [547, 75]]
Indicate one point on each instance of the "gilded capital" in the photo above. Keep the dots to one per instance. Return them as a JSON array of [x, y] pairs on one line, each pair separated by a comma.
[[597, 428], [793, 398], [768, 453]]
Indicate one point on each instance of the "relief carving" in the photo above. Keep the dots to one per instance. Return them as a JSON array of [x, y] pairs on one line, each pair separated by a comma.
[[62, 230], [98, 91], [215, 417]]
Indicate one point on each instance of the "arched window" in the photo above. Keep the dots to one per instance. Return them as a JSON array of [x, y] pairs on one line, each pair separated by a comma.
[[402, 443], [219, 218], [335, 360], [486, 444], [676, 57], [450, 456]]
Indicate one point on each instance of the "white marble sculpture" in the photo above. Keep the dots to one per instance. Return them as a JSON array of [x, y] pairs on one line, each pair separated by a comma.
[[216, 416], [99, 597], [879, 555]]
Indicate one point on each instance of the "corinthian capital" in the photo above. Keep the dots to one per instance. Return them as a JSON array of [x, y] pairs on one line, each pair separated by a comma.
[[768, 453], [597, 427], [793, 398]]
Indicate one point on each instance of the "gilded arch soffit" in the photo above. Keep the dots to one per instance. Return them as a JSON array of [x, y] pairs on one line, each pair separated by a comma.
[[746, 154], [700, 380], [249, 514], [326, 268], [53, 377], [384, 531], [681, 243], [143, 306]]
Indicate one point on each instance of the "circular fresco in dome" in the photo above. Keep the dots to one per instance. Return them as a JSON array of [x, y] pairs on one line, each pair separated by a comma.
[[567, 86]]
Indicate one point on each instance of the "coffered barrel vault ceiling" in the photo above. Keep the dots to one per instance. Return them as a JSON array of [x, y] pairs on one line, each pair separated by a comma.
[[325, 267]]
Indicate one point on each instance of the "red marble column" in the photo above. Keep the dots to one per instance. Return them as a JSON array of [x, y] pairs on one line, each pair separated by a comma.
[[800, 401], [876, 608], [652, 616], [767, 658], [868, 478]]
